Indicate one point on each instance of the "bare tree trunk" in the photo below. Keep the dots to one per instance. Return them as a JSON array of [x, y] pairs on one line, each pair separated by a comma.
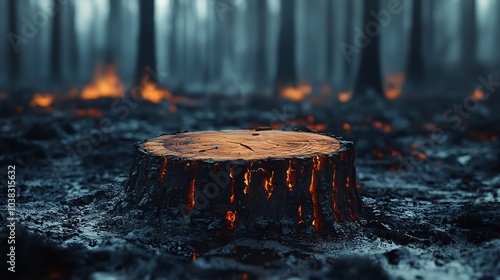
[[414, 65], [369, 77], [113, 33], [55, 50], [13, 58], [286, 72], [469, 35], [261, 48], [146, 62]]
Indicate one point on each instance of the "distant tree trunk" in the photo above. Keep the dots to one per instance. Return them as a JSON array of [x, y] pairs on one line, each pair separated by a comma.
[[329, 41], [261, 48], [146, 62], [172, 55], [414, 64], [469, 35], [73, 41], [113, 33], [13, 58], [55, 50], [286, 72], [348, 34], [369, 77]]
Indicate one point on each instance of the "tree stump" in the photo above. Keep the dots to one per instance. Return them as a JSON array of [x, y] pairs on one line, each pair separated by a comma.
[[249, 179]]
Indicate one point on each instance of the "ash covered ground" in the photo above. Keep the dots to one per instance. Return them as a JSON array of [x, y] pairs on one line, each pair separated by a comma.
[[430, 190]]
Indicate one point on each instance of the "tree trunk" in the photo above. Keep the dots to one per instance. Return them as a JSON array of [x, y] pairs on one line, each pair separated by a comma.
[[369, 77], [414, 65], [13, 57], [261, 61], [286, 72], [250, 179], [55, 50], [146, 62]]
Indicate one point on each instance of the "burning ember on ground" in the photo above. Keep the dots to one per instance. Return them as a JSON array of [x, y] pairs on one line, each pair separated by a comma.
[[393, 85], [42, 100], [296, 94], [106, 83]]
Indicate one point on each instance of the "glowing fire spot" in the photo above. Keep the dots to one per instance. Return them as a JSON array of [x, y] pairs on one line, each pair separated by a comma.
[[296, 94], [313, 190], [346, 126], [289, 176], [231, 175], [301, 217], [478, 95], [345, 96], [393, 85], [247, 181], [93, 113], [420, 156], [105, 84], [193, 258], [231, 216], [268, 185], [42, 100], [150, 91]]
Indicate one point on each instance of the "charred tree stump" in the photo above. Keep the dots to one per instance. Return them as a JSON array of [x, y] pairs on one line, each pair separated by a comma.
[[247, 178]]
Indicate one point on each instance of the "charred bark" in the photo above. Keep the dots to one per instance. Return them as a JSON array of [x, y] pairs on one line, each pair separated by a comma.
[[244, 179]]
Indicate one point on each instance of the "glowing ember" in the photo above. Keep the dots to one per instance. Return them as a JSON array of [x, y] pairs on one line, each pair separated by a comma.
[[105, 84], [478, 94], [346, 126], [313, 190], [42, 100], [289, 175], [93, 113], [268, 186], [231, 216], [247, 181], [393, 85], [299, 212], [345, 96], [231, 175], [153, 93], [296, 94]]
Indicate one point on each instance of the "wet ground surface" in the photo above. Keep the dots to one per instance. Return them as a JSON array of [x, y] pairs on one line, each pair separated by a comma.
[[431, 195]]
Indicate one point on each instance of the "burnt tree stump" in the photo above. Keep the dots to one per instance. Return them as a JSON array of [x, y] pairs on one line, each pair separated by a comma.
[[247, 178]]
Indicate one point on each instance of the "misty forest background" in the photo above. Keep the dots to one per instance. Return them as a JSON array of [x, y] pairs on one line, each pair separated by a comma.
[[254, 46]]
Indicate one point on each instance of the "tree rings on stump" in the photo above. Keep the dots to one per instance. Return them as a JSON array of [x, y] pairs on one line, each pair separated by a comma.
[[247, 179]]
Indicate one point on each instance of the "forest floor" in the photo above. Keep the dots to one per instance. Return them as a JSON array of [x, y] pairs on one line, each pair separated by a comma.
[[430, 190]]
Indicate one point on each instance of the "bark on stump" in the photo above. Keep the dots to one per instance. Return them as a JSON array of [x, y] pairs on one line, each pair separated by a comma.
[[247, 178]]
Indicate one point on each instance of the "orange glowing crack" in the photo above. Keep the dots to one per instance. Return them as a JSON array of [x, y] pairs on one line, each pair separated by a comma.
[[268, 185], [231, 175], [247, 181], [313, 190], [289, 176]]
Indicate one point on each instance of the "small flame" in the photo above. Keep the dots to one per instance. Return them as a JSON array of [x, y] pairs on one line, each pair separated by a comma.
[[231, 175], [193, 258], [393, 85], [296, 94], [105, 84], [345, 96], [299, 211], [346, 126], [247, 181], [478, 94], [150, 91], [231, 216], [268, 185], [42, 100], [289, 176]]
